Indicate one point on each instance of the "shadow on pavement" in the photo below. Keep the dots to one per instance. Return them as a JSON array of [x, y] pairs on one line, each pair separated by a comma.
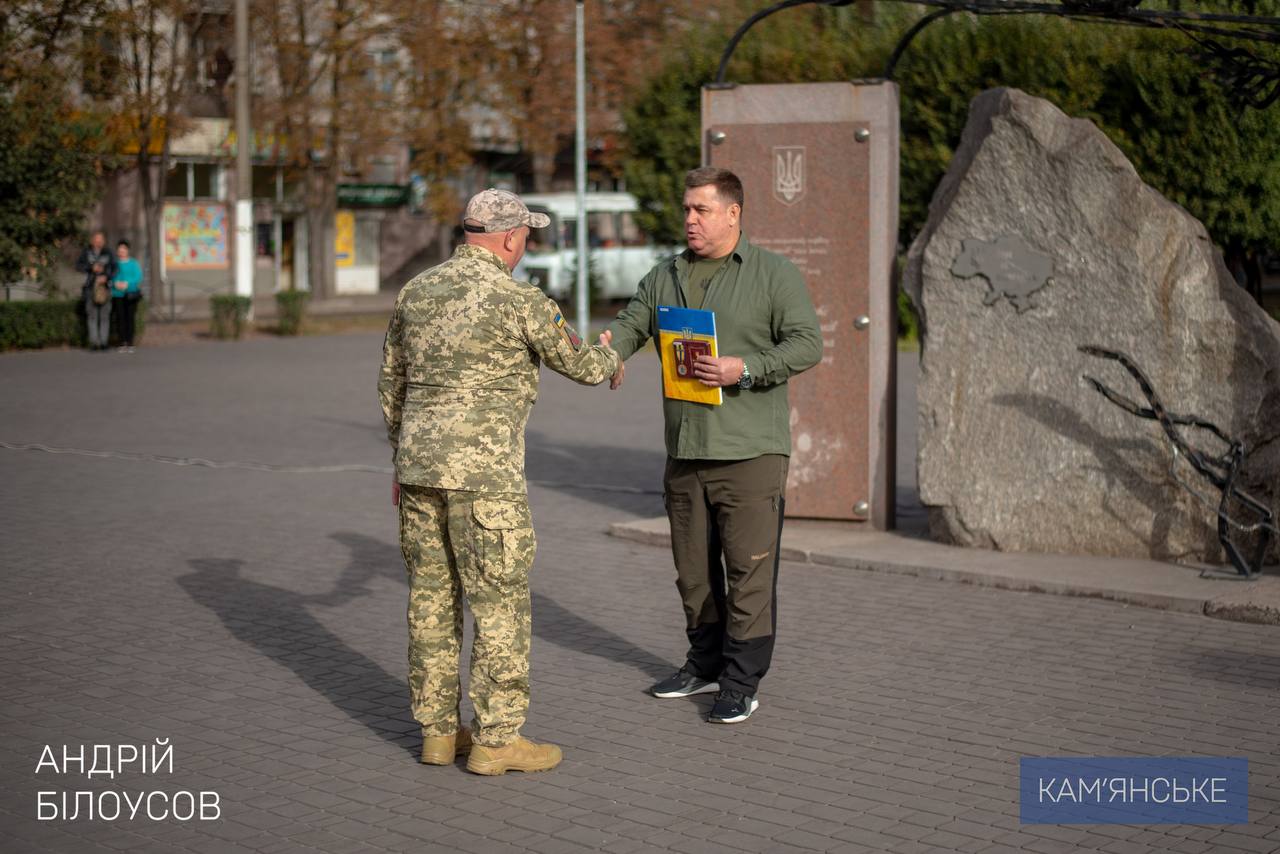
[[278, 623], [555, 623], [911, 519], [1253, 669], [573, 468]]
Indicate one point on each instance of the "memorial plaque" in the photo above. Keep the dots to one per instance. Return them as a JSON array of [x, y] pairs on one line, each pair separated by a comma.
[[819, 166]]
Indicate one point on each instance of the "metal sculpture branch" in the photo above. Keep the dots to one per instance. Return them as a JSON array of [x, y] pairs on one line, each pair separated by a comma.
[[1222, 470], [1249, 79]]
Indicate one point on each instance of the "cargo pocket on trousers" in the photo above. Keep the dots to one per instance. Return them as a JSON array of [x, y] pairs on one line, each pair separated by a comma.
[[504, 534]]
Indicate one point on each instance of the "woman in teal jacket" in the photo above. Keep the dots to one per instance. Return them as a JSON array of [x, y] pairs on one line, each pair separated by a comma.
[[126, 292]]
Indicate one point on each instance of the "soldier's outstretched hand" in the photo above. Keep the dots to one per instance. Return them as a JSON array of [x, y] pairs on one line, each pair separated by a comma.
[[616, 380]]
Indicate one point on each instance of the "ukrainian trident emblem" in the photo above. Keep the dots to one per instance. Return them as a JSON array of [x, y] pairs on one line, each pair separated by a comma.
[[788, 173]]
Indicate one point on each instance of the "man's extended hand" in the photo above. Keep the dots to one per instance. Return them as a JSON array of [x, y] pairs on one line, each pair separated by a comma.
[[616, 380], [395, 491], [718, 370]]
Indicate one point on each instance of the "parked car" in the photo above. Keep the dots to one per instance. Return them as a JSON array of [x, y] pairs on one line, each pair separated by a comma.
[[621, 253]]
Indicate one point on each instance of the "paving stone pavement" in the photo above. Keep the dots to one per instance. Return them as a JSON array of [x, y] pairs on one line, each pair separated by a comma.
[[255, 619]]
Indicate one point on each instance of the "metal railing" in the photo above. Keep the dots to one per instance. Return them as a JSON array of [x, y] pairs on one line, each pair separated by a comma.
[[31, 288], [190, 289]]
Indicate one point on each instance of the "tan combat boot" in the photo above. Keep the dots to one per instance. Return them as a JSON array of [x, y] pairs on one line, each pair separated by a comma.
[[443, 749], [520, 755]]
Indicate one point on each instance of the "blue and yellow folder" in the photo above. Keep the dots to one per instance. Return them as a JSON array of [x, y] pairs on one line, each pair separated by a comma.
[[683, 334]]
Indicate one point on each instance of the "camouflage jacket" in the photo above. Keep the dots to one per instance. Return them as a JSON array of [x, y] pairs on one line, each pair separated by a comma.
[[460, 372]]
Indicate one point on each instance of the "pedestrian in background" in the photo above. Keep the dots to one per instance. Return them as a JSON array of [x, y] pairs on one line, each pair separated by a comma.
[[726, 473], [99, 268], [126, 293], [459, 376]]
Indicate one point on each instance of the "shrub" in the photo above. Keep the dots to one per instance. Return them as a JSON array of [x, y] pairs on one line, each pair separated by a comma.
[[230, 314], [42, 323], [291, 306]]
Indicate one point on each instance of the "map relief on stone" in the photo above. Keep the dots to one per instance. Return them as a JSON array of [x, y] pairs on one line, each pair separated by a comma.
[[1013, 270]]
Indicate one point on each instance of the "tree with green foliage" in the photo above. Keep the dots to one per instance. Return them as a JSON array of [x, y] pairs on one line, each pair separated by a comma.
[[51, 150], [1145, 89], [662, 144], [661, 140], [48, 178], [1188, 140]]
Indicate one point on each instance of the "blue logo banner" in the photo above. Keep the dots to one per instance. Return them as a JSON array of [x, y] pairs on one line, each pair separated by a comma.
[[1134, 790]]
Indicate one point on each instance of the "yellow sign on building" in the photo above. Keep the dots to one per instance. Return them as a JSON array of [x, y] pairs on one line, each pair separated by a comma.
[[344, 239]]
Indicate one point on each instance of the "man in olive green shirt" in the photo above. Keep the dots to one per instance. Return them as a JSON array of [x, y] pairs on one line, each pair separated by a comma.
[[726, 471]]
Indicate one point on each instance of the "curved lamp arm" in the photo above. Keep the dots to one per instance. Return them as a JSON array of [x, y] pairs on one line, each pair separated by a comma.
[[756, 18], [910, 34]]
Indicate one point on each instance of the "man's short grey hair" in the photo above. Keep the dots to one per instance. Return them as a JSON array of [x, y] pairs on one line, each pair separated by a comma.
[[728, 185]]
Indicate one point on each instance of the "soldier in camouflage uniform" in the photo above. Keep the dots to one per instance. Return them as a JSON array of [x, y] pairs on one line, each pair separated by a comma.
[[459, 375]]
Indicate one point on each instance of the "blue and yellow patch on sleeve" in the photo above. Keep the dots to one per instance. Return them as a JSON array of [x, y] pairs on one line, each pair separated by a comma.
[[567, 331]]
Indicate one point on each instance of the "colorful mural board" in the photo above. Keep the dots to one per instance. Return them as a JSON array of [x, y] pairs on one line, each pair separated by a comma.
[[195, 237]]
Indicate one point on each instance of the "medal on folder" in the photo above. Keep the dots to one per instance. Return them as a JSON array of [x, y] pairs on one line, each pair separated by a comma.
[[684, 334]]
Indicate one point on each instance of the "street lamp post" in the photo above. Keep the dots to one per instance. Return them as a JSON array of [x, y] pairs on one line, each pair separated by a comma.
[[580, 173], [244, 173]]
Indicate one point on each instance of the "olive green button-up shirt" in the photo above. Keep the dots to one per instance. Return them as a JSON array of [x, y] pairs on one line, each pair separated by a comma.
[[763, 315]]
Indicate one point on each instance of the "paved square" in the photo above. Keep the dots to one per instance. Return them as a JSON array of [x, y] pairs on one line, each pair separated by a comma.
[[254, 617]]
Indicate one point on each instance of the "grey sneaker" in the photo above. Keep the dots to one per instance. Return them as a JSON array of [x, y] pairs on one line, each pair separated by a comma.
[[732, 707], [683, 683]]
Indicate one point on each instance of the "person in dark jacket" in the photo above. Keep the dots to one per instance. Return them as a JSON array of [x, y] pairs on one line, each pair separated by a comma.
[[99, 268]]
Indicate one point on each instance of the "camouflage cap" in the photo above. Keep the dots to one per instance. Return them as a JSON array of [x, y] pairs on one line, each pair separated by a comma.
[[498, 210]]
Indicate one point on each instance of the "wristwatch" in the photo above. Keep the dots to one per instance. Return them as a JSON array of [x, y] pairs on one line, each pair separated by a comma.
[[745, 380]]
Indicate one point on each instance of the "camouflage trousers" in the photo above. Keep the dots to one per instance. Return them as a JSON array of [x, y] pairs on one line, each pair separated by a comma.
[[479, 547]]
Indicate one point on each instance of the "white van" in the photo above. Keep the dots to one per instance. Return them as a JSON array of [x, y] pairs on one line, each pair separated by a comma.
[[620, 252]]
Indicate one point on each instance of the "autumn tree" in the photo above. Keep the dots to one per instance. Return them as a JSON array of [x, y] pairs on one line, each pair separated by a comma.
[[528, 77], [325, 110], [153, 45], [1148, 91], [532, 47], [440, 92]]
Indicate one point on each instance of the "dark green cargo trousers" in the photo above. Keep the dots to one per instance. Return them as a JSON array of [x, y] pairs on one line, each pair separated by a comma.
[[726, 525]]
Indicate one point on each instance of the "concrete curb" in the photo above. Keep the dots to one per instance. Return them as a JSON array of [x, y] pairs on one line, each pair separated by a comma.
[[1146, 583]]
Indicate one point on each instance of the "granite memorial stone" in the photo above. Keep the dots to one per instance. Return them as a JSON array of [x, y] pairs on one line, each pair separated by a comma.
[[1042, 238]]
